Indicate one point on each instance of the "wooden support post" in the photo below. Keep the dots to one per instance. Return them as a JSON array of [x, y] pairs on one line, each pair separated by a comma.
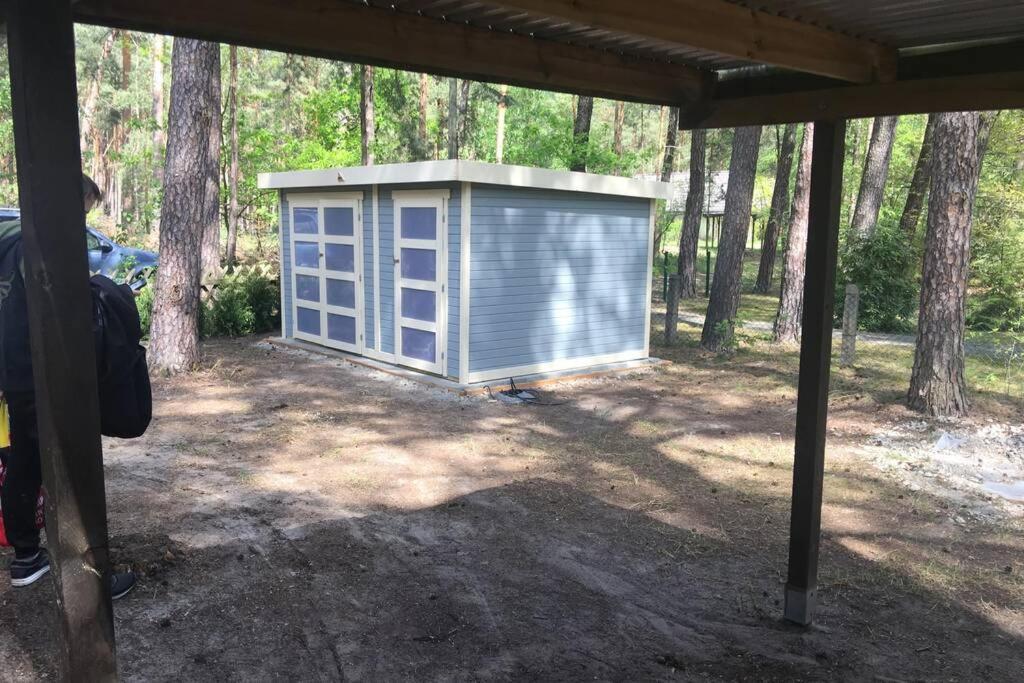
[[672, 310], [41, 46], [815, 362]]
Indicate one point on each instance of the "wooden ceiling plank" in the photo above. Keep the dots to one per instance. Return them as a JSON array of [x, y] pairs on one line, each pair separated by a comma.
[[355, 32], [729, 29]]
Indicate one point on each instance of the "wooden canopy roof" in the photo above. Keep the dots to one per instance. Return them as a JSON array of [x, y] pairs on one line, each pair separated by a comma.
[[724, 62]]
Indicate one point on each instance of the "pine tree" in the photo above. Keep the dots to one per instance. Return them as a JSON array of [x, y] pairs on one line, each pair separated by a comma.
[[720, 321], [195, 67], [788, 319], [690, 233], [778, 212], [937, 384]]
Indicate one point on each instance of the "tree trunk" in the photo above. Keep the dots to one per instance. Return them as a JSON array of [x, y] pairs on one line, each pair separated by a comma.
[[919, 183], [937, 384], [174, 341], [865, 218], [453, 118], [719, 324], [779, 209], [581, 133], [499, 141], [985, 125], [210, 256], [158, 107], [464, 117], [620, 120], [668, 165], [367, 124], [791, 297], [229, 253], [88, 116], [661, 136], [690, 234], [872, 183], [424, 95]]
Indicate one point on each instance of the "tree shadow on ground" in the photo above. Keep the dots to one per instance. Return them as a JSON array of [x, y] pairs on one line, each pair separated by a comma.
[[615, 536]]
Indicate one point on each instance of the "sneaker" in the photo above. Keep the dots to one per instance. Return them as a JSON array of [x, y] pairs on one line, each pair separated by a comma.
[[27, 571], [121, 584]]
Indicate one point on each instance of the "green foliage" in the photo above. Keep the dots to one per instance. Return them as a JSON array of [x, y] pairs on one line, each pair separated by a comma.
[[882, 267], [144, 302], [244, 302]]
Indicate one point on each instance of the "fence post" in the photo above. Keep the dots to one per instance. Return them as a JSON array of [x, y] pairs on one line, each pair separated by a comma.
[[707, 272], [672, 309], [664, 275], [848, 354]]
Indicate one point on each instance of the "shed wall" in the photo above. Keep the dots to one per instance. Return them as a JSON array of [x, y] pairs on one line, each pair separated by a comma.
[[557, 279]]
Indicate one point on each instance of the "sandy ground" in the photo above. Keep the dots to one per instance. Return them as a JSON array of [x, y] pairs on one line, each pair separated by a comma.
[[296, 518]]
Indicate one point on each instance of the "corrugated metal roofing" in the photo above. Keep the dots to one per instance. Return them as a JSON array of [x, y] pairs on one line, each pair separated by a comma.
[[897, 23]]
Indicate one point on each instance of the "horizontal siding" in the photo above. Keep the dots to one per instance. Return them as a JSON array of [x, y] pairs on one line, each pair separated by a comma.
[[555, 276]]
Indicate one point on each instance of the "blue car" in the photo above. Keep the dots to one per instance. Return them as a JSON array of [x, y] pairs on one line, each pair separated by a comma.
[[106, 256]]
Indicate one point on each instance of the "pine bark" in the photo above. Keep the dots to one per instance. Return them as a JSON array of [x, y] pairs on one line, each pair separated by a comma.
[[690, 233], [581, 133], [174, 340], [937, 385], [872, 183], [778, 211], [367, 123], [229, 252], [919, 183], [464, 116], [791, 297], [499, 137], [719, 324], [210, 254]]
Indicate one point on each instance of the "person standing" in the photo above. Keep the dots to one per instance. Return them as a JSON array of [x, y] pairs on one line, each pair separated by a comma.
[[20, 490]]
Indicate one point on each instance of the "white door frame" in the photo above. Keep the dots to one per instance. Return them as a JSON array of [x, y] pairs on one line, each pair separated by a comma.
[[436, 199], [352, 200]]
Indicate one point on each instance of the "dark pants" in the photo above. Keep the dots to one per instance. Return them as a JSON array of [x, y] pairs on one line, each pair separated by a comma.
[[24, 475]]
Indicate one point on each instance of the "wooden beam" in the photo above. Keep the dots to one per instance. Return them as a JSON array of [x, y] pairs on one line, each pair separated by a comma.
[[815, 363], [355, 32], [961, 93], [41, 46], [728, 29], [974, 78]]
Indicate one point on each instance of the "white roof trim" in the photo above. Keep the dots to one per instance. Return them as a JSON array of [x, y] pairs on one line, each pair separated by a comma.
[[468, 172]]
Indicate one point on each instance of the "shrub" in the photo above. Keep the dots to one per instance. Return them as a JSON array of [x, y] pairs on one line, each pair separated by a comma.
[[144, 302], [244, 302], [883, 268]]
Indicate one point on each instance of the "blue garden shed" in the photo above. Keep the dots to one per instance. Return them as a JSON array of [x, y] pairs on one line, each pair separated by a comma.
[[468, 270]]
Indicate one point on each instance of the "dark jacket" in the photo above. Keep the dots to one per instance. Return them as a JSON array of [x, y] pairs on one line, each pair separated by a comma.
[[15, 352]]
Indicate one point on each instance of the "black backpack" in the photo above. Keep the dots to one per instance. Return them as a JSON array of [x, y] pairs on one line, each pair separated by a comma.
[[126, 398]]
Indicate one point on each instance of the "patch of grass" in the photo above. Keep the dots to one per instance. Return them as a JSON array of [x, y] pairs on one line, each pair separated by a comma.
[[882, 372]]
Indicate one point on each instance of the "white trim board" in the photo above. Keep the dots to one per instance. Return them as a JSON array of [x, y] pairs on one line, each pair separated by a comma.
[[650, 276], [468, 172], [465, 266], [555, 366]]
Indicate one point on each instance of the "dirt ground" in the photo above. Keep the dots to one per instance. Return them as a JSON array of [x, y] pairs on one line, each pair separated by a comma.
[[297, 518]]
